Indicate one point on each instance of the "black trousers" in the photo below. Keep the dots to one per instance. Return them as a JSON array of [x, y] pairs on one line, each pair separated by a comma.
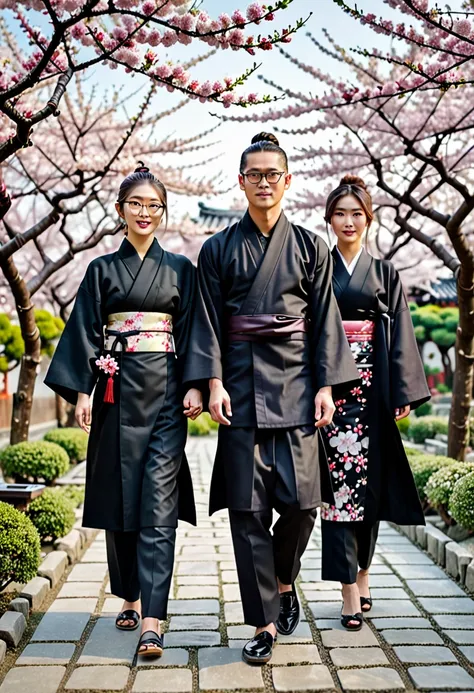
[[346, 547], [141, 567], [263, 555]]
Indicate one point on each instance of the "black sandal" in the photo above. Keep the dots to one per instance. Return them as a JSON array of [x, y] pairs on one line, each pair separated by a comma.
[[158, 642], [128, 615], [366, 601], [347, 618]]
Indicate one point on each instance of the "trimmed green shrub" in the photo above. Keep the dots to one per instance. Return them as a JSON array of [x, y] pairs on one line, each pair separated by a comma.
[[73, 440], [74, 494], [403, 426], [440, 485], [427, 427], [213, 425], [462, 502], [19, 546], [52, 514], [443, 388], [199, 427], [424, 409], [38, 461], [423, 466]]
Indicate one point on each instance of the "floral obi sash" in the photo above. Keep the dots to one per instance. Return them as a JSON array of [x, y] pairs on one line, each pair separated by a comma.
[[359, 330], [139, 332], [133, 332]]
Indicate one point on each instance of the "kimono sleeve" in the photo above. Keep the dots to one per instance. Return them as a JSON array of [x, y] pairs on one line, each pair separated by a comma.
[[332, 357], [72, 369], [204, 360], [407, 376], [183, 319]]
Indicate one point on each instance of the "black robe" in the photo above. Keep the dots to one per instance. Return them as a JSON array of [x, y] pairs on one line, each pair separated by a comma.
[[272, 384], [375, 292], [136, 466]]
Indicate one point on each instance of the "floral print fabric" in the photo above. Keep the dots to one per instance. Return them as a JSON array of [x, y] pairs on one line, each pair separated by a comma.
[[156, 331], [347, 441]]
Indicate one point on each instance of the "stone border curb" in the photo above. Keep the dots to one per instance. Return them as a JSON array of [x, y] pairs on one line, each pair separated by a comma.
[[455, 559]]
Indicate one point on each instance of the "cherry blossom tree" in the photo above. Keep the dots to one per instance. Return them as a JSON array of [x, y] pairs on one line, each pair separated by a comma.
[[408, 130], [62, 194], [66, 37]]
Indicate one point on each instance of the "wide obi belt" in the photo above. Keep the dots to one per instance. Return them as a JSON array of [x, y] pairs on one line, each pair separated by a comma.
[[359, 330], [263, 327], [139, 332]]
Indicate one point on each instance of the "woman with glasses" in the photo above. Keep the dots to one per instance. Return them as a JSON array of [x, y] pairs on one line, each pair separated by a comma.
[[268, 341], [126, 337]]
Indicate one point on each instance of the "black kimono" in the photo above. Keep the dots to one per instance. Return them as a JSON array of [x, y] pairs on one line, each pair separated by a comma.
[[268, 326], [135, 459], [369, 469]]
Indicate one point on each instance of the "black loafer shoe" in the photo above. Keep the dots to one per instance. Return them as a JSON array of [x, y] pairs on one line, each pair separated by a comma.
[[259, 650], [289, 613]]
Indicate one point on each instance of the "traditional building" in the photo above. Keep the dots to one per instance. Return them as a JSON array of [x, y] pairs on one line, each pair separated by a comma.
[[441, 292]]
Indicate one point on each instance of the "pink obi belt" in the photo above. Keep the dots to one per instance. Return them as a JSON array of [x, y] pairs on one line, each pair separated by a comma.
[[359, 330], [139, 332]]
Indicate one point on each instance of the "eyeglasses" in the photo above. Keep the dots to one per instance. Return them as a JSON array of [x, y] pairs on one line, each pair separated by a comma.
[[153, 209], [271, 177]]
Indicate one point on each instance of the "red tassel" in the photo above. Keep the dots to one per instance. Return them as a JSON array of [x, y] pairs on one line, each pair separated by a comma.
[[109, 391]]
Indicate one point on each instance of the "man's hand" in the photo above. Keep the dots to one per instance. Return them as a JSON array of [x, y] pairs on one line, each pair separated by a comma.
[[82, 412], [192, 403], [219, 398], [402, 412], [324, 407]]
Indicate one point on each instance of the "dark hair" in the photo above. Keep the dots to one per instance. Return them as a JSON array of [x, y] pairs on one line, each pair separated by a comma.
[[142, 174], [264, 142], [350, 185]]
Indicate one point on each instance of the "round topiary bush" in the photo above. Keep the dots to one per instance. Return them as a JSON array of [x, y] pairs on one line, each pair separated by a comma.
[[74, 494], [19, 546], [427, 427], [199, 427], [440, 485], [462, 502], [73, 440], [52, 514], [423, 466], [403, 425], [33, 462], [424, 409]]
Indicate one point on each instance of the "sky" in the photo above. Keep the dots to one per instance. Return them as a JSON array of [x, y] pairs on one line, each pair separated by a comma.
[[231, 138]]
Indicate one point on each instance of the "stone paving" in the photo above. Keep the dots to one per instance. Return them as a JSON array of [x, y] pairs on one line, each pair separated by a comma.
[[419, 635]]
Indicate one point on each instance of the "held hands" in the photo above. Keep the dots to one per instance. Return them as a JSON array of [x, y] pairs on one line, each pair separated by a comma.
[[82, 412], [402, 412], [192, 403], [219, 398], [324, 407]]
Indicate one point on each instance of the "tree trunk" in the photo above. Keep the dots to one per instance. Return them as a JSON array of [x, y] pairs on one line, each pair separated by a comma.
[[65, 413], [448, 370], [29, 364], [463, 376]]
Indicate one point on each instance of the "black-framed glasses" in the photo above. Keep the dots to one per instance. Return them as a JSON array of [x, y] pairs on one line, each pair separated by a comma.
[[153, 208], [271, 177]]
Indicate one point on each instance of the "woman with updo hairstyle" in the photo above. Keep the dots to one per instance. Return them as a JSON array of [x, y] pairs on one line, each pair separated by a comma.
[[126, 340], [370, 473], [268, 343]]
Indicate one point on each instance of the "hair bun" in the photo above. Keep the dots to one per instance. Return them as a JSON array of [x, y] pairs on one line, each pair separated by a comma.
[[142, 168], [265, 137], [351, 179]]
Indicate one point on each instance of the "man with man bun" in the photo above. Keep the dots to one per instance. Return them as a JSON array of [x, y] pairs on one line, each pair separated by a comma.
[[268, 342]]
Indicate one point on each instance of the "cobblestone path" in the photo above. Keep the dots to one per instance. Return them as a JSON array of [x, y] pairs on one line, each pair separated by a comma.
[[419, 636]]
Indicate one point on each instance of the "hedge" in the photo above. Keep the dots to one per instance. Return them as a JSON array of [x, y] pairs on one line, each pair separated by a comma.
[[462, 502], [34, 461], [424, 409], [440, 485], [19, 546], [202, 426], [73, 440], [75, 494], [427, 427], [403, 426], [52, 514], [423, 466]]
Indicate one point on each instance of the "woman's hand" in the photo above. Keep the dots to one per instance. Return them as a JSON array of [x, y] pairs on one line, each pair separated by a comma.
[[83, 412], [192, 403], [402, 412]]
